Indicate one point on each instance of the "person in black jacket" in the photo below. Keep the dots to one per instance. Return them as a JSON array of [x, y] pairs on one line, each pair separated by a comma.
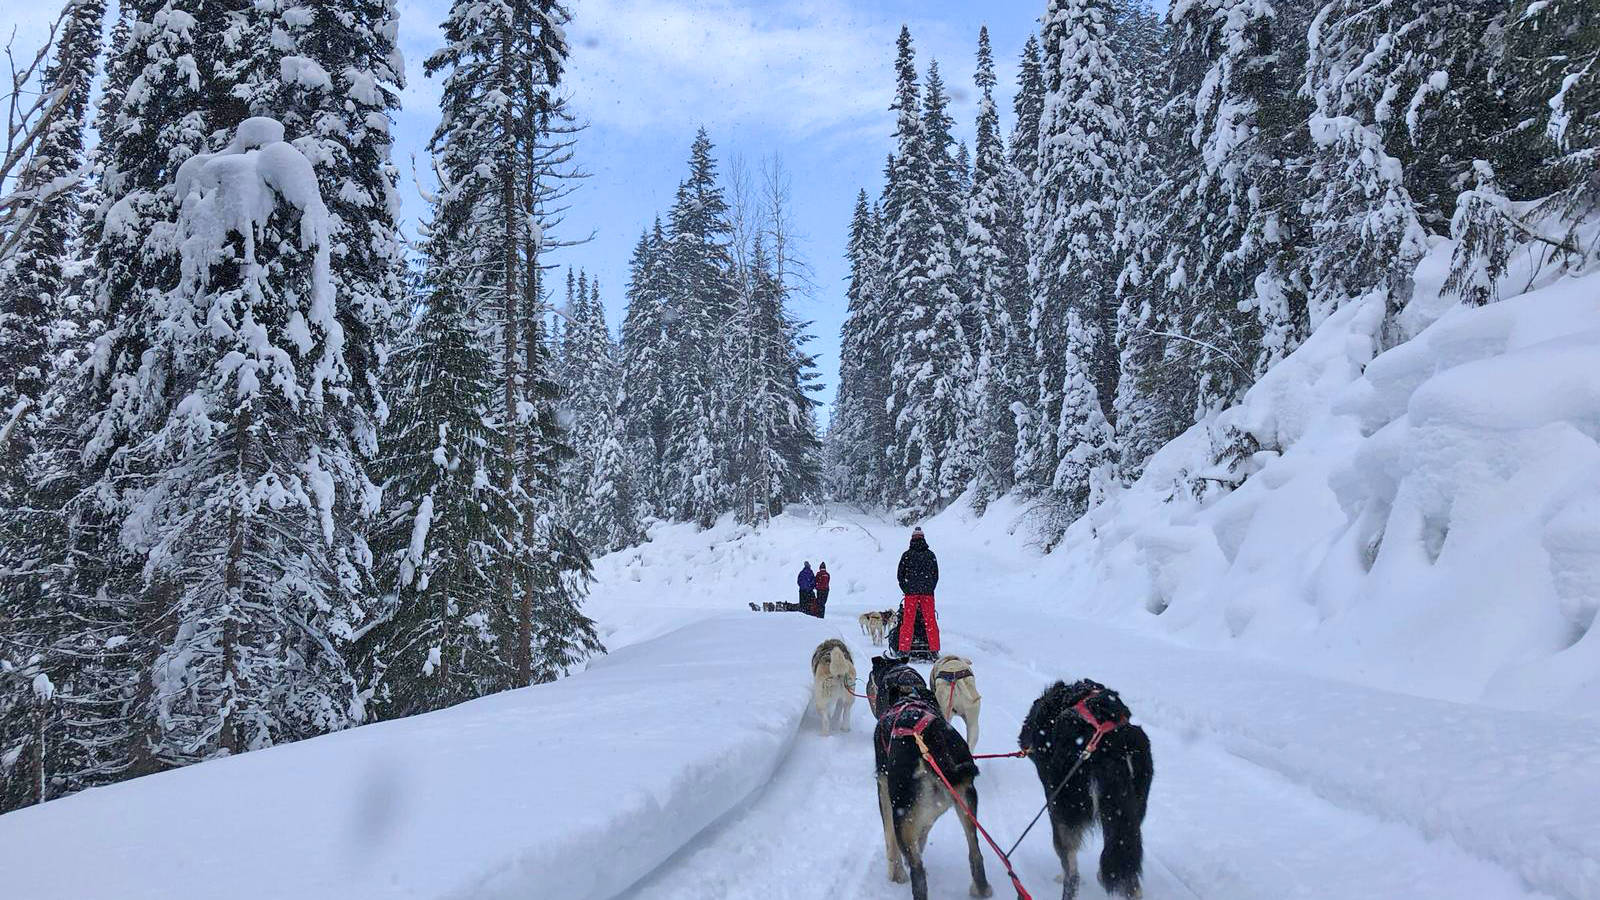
[[919, 576]]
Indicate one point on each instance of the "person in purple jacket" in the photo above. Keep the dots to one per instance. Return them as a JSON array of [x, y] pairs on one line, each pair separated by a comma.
[[808, 589]]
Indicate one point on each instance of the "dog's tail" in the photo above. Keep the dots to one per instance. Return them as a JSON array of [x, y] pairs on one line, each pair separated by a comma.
[[839, 663]]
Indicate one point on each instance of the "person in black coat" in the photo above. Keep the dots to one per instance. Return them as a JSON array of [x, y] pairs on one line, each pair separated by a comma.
[[919, 576]]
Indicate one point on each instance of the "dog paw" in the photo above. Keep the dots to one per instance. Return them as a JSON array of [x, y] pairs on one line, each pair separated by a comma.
[[898, 876], [981, 890]]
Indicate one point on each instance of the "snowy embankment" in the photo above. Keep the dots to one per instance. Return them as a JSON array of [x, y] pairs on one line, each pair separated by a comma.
[[574, 789], [1425, 518]]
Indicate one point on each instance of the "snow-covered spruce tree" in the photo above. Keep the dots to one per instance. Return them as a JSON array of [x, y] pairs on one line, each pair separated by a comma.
[[449, 522], [602, 509], [32, 280], [1548, 60], [920, 285], [34, 283], [775, 450], [119, 624], [700, 295], [609, 491], [1144, 407], [995, 253], [335, 90], [859, 429], [1027, 105], [1552, 63], [1370, 74], [1077, 240], [950, 347], [645, 367], [1225, 296], [249, 481], [491, 149]]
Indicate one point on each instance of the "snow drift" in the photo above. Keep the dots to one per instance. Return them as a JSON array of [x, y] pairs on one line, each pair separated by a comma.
[[574, 789], [1426, 518]]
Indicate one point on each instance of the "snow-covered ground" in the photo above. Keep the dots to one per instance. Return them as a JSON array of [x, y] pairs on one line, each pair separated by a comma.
[[571, 790], [1270, 781], [687, 764]]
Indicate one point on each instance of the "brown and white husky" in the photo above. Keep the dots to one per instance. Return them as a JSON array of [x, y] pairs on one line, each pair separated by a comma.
[[833, 671]]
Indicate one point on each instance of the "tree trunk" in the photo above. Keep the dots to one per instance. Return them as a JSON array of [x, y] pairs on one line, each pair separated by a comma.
[[510, 218]]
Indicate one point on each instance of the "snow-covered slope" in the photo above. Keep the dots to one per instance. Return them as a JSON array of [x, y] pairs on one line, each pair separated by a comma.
[[1426, 518], [572, 790]]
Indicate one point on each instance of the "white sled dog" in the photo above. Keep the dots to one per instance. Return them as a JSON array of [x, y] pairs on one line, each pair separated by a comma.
[[833, 672], [872, 626], [957, 691]]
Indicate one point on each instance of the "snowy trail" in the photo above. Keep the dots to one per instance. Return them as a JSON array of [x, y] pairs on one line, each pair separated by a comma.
[[1219, 825], [1270, 782]]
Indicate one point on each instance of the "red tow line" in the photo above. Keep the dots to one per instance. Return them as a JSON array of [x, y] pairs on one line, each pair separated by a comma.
[[1005, 860], [1015, 754]]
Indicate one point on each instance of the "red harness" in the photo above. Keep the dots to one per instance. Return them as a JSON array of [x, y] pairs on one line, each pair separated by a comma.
[[929, 714], [1101, 729]]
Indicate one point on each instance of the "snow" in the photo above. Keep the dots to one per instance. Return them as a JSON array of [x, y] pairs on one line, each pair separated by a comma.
[[574, 789], [1270, 781], [1417, 520]]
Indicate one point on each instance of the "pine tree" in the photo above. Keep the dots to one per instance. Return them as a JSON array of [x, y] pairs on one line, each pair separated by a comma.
[[491, 149], [995, 254], [34, 288], [249, 483], [604, 517], [1028, 107], [924, 335], [32, 280], [645, 374], [1076, 224], [775, 449], [450, 525], [950, 347], [335, 89], [859, 430], [1366, 227], [159, 116], [700, 295]]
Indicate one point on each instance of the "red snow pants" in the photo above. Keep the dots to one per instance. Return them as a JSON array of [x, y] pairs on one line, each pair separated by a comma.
[[908, 621]]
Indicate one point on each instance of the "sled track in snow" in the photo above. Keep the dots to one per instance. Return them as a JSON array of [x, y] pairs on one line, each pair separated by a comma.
[[1222, 825]]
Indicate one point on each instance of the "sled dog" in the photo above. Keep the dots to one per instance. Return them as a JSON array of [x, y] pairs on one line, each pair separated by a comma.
[[951, 681], [833, 673], [887, 678], [910, 796], [1113, 784], [872, 626]]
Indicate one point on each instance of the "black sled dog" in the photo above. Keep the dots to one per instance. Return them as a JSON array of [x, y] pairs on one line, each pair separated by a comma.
[[1114, 782], [887, 678], [910, 796]]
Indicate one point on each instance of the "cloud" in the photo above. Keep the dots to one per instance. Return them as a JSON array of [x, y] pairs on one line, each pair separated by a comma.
[[794, 69]]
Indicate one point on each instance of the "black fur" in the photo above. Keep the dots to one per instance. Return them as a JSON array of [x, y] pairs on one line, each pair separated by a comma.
[[1115, 781], [889, 679], [904, 782]]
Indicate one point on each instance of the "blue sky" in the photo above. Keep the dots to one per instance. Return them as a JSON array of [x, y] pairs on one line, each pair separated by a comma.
[[808, 80]]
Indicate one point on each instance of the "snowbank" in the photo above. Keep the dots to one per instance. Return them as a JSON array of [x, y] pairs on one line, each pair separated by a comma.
[[1427, 518], [574, 789]]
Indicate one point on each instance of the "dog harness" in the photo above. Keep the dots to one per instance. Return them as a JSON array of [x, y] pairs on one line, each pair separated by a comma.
[[951, 678], [900, 714], [1101, 728]]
